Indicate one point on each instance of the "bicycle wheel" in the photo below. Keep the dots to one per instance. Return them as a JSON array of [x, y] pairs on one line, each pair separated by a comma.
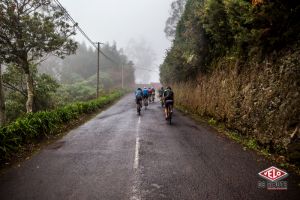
[[146, 103], [139, 109]]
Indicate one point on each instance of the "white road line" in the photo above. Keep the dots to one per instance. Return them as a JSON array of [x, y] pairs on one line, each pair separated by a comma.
[[135, 188], [137, 146]]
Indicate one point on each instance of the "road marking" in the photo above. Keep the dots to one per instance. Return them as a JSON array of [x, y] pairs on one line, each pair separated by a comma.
[[137, 146], [136, 185]]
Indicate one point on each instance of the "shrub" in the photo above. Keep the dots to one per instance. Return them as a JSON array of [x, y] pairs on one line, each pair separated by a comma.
[[40, 124]]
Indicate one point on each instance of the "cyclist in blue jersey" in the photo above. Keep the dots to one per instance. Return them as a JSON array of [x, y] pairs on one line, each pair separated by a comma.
[[145, 97], [145, 93], [139, 99], [138, 95]]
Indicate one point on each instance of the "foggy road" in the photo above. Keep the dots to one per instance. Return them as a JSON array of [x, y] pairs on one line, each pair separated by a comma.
[[119, 155]]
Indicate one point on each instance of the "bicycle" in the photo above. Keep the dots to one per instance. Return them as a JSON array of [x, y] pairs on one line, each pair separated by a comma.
[[169, 109], [145, 102], [153, 97], [139, 107]]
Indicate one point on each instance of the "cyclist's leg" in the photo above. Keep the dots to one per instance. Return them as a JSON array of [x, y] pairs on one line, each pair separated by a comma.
[[139, 103], [166, 110]]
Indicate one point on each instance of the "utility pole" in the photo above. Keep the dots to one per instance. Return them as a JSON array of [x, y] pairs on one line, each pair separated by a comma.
[[98, 68], [122, 76]]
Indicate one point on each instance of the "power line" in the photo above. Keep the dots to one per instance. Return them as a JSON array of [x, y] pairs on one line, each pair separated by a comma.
[[83, 33], [89, 39], [75, 23]]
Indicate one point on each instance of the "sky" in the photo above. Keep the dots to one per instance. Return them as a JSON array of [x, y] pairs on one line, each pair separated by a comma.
[[123, 20]]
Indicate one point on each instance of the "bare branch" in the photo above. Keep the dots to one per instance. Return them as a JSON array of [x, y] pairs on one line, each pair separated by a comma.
[[12, 87]]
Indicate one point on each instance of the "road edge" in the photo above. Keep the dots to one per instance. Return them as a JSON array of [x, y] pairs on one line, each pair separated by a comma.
[[34, 147], [246, 143]]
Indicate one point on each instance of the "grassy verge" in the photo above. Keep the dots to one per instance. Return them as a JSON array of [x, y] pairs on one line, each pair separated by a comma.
[[246, 142], [34, 127]]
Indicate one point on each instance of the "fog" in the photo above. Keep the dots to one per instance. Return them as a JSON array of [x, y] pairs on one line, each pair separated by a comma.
[[126, 21]]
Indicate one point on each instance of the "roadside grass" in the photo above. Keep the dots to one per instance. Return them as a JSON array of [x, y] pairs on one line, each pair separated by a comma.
[[246, 142], [28, 133]]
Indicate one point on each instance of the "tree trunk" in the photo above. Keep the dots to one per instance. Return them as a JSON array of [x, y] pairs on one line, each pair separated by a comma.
[[2, 102], [30, 91]]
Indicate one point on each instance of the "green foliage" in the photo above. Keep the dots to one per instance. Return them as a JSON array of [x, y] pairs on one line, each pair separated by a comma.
[[215, 23], [212, 122], [45, 89], [81, 68], [189, 50], [35, 28], [30, 30], [211, 29], [38, 125], [81, 91], [252, 144]]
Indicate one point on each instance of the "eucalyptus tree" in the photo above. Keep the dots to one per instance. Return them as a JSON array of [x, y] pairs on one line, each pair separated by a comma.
[[177, 9], [30, 30]]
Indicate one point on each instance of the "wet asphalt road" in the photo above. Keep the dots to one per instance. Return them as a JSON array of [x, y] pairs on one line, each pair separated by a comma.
[[119, 155]]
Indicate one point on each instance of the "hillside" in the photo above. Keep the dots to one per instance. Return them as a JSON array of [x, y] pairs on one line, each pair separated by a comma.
[[238, 63]]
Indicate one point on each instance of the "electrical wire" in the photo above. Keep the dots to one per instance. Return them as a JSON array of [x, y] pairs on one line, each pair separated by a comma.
[[89, 39], [82, 32]]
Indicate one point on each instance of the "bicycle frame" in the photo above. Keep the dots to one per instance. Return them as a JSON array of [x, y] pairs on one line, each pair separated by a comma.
[[169, 113], [139, 106]]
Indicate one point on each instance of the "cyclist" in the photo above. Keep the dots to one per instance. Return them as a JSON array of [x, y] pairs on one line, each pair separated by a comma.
[[145, 95], [139, 96], [160, 94], [168, 97], [150, 94], [153, 93]]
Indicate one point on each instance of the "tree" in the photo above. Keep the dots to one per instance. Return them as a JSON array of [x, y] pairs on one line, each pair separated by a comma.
[[177, 8], [216, 25], [14, 84], [2, 102], [30, 30]]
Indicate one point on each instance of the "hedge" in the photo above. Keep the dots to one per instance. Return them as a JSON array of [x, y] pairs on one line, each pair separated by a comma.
[[44, 123]]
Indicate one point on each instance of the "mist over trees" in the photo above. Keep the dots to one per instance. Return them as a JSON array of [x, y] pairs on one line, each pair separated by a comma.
[[37, 71], [143, 57], [79, 70], [57, 81]]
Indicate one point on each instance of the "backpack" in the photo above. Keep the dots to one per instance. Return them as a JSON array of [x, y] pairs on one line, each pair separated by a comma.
[[145, 92], [169, 94], [139, 93]]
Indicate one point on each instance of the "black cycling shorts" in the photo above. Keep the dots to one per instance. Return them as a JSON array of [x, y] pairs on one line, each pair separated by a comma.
[[169, 102], [138, 98]]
